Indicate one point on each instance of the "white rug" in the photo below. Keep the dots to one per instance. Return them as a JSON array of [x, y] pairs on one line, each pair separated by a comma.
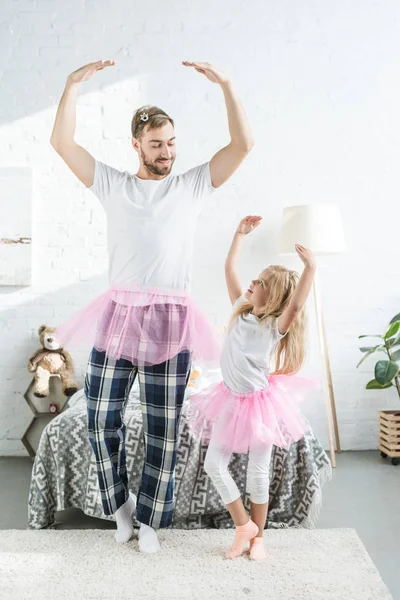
[[87, 564]]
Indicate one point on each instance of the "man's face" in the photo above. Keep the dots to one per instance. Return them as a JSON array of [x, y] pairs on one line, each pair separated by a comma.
[[156, 149]]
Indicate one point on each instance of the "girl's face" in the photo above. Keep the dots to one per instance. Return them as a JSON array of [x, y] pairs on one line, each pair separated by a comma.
[[257, 292]]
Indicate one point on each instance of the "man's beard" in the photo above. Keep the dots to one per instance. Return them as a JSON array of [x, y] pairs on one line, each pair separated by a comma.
[[157, 168]]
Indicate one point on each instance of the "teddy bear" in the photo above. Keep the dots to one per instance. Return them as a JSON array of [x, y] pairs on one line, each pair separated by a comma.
[[51, 359]]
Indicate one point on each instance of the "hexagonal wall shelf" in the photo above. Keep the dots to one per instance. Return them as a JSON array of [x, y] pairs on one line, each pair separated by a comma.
[[41, 411], [32, 435]]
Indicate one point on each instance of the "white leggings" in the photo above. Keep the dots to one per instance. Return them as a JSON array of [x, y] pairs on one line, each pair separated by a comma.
[[216, 466]]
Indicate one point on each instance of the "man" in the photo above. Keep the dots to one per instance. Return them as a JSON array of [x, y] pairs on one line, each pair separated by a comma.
[[146, 324]]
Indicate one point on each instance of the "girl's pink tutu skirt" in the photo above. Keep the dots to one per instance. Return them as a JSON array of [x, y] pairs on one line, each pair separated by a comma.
[[236, 422], [146, 326]]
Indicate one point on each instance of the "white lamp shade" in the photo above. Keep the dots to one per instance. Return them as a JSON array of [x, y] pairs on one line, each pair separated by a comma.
[[315, 226]]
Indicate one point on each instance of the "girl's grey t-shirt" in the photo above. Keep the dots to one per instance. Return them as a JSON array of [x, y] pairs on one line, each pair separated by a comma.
[[151, 225]]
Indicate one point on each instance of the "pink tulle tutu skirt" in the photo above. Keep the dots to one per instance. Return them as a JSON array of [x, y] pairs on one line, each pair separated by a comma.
[[146, 326], [238, 421]]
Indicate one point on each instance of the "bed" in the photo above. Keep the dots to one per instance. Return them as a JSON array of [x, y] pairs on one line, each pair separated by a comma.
[[64, 474]]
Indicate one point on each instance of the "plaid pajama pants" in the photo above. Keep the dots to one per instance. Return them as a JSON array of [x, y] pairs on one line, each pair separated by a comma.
[[162, 389]]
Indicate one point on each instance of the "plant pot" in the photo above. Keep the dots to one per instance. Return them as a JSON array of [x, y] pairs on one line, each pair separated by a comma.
[[389, 435]]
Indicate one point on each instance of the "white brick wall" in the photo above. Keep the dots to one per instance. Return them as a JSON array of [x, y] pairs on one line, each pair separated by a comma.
[[320, 82]]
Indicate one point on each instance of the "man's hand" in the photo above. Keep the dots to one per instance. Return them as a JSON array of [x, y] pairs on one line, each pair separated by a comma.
[[225, 162], [85, 73], [79, 160], [211, 72], [247, 224]]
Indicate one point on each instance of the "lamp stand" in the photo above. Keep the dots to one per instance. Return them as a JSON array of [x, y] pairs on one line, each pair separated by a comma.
[[330, 408]]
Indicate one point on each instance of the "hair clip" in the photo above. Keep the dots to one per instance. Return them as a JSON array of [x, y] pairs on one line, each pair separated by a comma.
[[144, 116]]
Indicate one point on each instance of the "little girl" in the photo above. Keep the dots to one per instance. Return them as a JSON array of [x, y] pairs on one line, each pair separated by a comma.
[[251, 410]]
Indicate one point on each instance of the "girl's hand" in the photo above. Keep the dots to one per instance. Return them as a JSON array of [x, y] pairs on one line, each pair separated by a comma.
[[306, 256], [87, 72], [247, 224]]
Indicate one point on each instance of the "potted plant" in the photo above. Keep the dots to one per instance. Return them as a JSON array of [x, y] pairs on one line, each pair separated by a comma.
[[387, 374]]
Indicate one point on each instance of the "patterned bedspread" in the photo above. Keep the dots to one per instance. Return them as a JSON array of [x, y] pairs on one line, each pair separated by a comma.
[[64, 475]]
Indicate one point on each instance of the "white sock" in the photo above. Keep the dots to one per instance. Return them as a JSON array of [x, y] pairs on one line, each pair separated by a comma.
[[148, 540], [123, 517]]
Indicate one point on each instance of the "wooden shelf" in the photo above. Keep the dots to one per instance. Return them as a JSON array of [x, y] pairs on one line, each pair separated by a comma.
[[389, 433]]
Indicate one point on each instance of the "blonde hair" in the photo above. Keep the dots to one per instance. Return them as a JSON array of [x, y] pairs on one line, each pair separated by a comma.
[[290, 351], [156, 118]]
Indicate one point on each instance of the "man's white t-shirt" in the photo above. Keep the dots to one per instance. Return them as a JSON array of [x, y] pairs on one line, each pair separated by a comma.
[[247, 351], [151, 225]]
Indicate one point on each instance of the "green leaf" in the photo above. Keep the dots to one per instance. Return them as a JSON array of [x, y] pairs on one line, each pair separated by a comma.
[[393, 342], [392, 330], [396, 355], [369, 335], [377, 348], [395, 318], [385, 370], [374, 385], [369, 351]]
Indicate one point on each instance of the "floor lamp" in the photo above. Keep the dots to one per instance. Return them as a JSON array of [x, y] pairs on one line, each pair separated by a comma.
[[318, 227]]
